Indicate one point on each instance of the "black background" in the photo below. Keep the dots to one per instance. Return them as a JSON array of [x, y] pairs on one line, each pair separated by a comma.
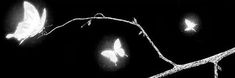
[[72, 51]]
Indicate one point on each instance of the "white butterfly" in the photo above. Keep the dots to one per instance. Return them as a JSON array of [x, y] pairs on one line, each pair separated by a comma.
[[112, 54], [31, 25], [190, 25]]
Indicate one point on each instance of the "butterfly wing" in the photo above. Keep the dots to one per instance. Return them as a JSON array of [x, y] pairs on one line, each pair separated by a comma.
[[43, 18], [31, 15], [40, 26], [120, 52], [117, 44], [118, 48], [110, 55], [26, 28]]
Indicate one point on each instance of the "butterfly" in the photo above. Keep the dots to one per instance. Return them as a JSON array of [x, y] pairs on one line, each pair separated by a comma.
[[190, 25], [116, 51], [31, 25]]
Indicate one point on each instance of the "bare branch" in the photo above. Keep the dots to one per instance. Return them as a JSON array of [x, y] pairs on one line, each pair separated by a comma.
[[176, 67]]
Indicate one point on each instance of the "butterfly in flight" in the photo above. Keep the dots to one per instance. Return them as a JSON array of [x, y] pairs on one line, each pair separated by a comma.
[[116, 51], [190, 25], [31, 25]]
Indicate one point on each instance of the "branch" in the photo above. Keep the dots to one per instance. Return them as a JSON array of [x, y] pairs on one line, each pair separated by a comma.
[[212, 59], [115, 19], [176, 67]]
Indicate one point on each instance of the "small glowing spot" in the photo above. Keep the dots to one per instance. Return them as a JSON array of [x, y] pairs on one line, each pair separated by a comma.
[[112, 54], [31, 25], [190, 25]]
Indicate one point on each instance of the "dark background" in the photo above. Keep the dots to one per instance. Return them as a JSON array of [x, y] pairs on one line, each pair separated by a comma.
[[72, 52]]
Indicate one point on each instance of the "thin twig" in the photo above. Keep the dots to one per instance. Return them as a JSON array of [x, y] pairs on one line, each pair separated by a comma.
[[176, 67]]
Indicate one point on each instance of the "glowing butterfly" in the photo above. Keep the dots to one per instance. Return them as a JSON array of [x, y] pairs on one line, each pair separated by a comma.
[[112, 54], [31, 25], [190, 25]]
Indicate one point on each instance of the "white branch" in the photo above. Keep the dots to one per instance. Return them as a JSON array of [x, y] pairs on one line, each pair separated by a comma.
[[115, 19], [176, 67]]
